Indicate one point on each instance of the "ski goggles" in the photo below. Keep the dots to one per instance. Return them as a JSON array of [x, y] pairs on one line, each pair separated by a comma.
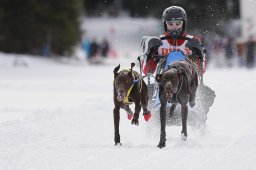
[[176, 22]]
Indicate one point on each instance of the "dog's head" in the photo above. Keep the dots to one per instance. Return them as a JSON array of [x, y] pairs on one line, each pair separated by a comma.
[[170, 82], [123, 81]]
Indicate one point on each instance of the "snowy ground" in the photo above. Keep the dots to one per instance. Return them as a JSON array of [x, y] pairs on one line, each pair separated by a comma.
[[58, 116]]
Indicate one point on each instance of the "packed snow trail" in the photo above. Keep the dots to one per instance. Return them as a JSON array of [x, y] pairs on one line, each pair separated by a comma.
[[59, 116]]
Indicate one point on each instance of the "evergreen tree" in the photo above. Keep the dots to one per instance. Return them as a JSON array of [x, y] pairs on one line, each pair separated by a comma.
[[38, 26]]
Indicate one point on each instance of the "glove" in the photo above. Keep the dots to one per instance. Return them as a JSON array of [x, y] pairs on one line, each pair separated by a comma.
[[149, 44], [195, 46]]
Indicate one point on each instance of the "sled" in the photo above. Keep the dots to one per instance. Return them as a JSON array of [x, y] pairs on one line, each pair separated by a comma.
[[197, 116]]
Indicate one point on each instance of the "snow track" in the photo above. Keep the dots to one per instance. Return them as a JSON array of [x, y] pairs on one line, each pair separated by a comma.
[[56, 116]]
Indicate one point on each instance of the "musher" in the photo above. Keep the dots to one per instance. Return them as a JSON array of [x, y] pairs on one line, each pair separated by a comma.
[[174, 20]]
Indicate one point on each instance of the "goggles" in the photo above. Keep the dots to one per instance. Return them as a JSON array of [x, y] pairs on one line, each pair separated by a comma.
[[176, 22]]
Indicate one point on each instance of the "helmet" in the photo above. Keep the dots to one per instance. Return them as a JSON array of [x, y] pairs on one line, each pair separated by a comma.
[[174, 13]]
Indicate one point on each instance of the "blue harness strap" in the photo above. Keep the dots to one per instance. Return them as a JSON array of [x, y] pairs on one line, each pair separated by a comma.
[[174, 56]]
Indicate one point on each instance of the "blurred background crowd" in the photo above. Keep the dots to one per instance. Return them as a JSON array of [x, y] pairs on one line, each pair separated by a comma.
[[95, 30]]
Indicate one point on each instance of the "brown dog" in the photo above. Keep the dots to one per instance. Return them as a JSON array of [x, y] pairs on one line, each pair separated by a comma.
[[178, 84], [129, 88]]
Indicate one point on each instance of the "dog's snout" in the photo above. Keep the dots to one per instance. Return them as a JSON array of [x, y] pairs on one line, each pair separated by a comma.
[[121, 95], [120, 91], [168, 87]]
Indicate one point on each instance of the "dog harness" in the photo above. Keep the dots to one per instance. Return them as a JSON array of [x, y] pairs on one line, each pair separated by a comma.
[[135, 81], [126, 99]]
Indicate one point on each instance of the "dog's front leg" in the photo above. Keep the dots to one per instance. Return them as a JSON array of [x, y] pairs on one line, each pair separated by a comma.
[[184, 117], [193, 88], [116, 113], [173, 107], [163, 124], [128, 111], [126, 108], [144, 104], [135, 119]]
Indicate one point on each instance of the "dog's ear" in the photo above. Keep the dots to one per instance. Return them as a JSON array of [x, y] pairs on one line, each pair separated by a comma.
[[116, 70], [132, 65], [159, 78]]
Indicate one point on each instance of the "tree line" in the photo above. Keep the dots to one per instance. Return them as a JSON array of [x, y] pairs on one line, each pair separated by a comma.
[[39, 26], [52, 27]]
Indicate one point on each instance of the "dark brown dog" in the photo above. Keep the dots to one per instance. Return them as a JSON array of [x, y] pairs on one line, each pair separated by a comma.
[[178, 84], [129, 88]]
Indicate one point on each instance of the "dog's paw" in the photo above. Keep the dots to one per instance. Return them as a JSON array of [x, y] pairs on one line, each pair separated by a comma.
[[147, 116], [192, 104], [183, 137], [135, 122], [161, 144], [130, 116], [118, 144]]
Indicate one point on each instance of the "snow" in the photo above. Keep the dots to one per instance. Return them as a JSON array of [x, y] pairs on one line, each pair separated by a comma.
[[58, 116]]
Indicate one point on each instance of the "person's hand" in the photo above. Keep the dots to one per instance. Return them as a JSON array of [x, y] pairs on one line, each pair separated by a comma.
[[149, 44], [193, 43], [195, 46]]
